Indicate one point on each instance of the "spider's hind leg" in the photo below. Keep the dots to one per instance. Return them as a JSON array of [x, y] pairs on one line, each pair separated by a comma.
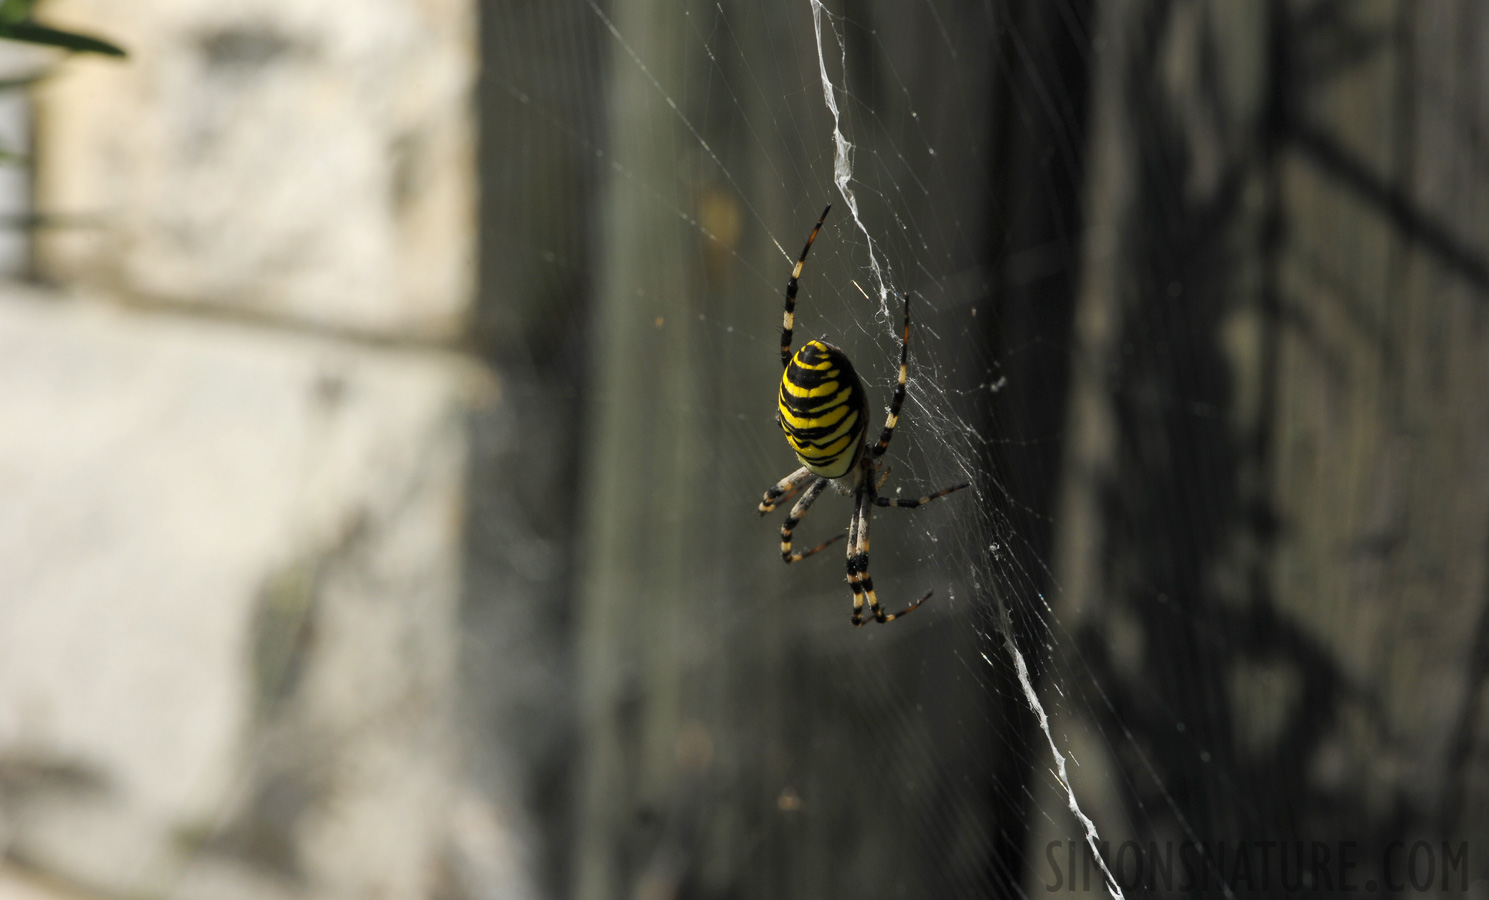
[[898, 399], [788, 321]]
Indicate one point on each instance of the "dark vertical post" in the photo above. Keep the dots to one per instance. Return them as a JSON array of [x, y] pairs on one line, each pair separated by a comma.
[[540, 117], [1037, 167]]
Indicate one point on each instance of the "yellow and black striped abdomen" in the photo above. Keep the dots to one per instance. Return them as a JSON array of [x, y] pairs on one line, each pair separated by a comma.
[[823, 409]]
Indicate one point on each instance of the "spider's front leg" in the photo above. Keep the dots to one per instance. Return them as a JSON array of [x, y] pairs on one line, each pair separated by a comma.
[[858, 561], [785, 489], [853, 560], [921, 501], [798, 512]]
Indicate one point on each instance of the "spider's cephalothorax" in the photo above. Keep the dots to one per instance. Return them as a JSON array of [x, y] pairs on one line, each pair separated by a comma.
[[823, 410]]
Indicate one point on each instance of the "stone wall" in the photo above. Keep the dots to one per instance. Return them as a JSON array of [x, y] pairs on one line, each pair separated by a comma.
[[310, 162], [233, 446]]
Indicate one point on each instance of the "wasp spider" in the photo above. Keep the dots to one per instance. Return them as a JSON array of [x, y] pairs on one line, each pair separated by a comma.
[[824, 412]]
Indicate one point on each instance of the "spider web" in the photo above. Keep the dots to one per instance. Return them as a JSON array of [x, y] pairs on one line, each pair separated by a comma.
[[843, 179], [726, 129]]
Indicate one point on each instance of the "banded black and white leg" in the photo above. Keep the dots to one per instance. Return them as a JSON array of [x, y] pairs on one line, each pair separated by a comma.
[[788, 321], [895, 403], [853, 560], [898, 400], [798, 512], [920, 501], [785, 489], [859, 579]]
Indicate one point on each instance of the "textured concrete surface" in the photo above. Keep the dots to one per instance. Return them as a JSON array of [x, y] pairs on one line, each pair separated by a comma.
[[229, 566], [309, 161], [233, 451]]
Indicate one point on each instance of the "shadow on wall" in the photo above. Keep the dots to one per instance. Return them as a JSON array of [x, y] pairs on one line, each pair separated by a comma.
[[1245, 690]]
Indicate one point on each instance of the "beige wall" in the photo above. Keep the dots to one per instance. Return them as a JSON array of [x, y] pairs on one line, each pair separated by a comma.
[[232, 444], [305, 162]]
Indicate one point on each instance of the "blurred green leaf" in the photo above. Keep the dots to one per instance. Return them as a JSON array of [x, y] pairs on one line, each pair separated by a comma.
[[15, 11], [32, 33]]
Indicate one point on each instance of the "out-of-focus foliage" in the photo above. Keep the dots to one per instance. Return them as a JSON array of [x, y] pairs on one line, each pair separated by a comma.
[[16, 24]]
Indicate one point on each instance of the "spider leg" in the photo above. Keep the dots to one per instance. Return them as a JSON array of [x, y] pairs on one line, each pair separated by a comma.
[[899, 390], [799, 512], [858, 565], [785, 489], [911, 504], [853, 580], [788, 322]]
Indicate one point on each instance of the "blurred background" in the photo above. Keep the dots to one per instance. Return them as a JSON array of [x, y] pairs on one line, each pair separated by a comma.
[[386, 392]]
